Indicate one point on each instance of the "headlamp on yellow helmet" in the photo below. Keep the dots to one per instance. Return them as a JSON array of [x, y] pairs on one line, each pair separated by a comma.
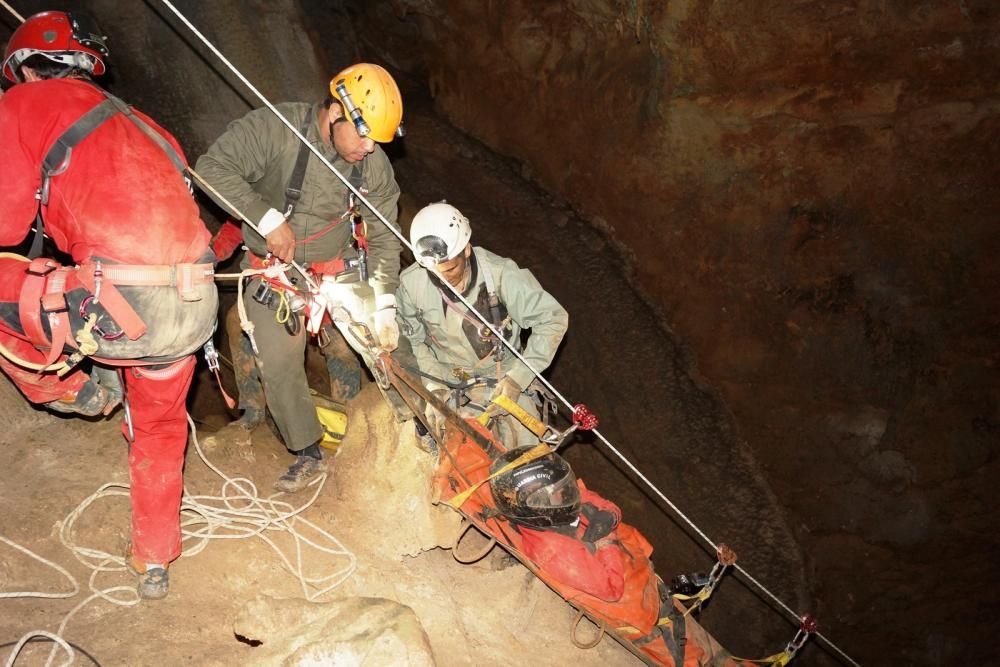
[[371, 100]]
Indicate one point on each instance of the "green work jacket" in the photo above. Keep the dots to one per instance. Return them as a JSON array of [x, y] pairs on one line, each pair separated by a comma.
[[251, 166]]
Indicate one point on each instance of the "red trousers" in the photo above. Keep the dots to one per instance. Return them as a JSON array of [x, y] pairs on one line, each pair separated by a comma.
[[159, 418]]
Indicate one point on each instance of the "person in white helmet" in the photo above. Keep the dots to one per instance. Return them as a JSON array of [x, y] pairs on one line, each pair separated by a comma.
[[451, 343]]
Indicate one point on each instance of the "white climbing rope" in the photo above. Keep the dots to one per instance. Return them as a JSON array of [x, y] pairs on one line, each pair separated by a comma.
[[11, 10], [237, 512]]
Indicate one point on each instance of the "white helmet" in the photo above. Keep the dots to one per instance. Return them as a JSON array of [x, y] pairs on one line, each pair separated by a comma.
[[439, 232]]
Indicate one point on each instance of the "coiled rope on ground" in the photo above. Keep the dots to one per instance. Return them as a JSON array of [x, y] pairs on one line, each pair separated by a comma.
[[237, 512]]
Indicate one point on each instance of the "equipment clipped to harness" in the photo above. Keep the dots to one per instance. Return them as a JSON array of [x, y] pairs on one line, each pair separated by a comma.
[[359, 228], [359, 232], [212, 359], [106, 335]]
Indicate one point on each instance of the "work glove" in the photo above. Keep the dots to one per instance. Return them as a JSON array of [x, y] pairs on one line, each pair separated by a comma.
[[226, 240], [505, 387], [384, 319], [435, 420]]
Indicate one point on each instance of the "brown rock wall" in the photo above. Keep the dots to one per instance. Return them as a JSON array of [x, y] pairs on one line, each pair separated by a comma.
[[808, 192]]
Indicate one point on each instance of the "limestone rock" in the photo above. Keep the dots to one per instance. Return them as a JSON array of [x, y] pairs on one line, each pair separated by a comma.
[[357, 631]]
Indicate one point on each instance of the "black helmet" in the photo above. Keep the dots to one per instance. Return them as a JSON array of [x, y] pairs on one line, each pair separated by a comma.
[[540, 494]]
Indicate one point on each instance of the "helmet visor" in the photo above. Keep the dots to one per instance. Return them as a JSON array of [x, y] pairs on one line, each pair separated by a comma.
[[561, 493], [430, 250]]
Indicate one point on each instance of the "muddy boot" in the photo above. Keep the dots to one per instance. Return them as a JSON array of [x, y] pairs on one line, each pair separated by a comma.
[[109, 380], [308, 466], [91, 400], [153, 579]]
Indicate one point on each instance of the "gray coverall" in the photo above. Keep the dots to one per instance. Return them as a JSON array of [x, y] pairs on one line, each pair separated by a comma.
[[442, 339]]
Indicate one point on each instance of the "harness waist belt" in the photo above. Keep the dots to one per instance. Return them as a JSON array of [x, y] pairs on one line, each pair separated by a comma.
[[182, 276], [155, 274], [328, 268]]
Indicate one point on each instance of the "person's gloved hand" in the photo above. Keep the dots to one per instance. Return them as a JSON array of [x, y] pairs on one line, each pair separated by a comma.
[[278, 234], [436, 420], [384, 319], [505, 387], [226, 240]]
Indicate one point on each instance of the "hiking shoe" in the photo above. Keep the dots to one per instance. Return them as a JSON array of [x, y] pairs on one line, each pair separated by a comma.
[[154, 580], [90, 401], [300, 474]]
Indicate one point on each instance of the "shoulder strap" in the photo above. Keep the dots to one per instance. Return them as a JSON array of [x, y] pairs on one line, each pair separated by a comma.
[[491, 288], [294, 190], [356, 179], [57, 159], [58, 156], [157, 138]]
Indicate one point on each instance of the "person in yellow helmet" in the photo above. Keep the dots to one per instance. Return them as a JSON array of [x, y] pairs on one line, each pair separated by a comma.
[[305, 213]]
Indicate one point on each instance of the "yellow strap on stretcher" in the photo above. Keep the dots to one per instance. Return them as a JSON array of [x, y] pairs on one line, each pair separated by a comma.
[[541, 449], [776, 660], [533, 424], [698, 597]]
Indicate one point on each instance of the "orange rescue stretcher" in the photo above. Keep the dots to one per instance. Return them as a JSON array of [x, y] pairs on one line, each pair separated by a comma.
[[647, 620]]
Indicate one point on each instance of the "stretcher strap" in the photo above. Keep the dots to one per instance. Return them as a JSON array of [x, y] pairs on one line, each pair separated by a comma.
[[533, 424], [541, 449]]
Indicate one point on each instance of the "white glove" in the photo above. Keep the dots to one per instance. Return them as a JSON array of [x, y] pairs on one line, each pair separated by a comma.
[[435, 420], [384, 320]]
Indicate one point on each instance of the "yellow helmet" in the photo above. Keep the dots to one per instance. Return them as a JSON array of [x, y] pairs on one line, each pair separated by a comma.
[[370, 98]]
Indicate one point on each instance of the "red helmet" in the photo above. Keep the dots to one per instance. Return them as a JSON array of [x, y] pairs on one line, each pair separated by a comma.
[[60, 37]]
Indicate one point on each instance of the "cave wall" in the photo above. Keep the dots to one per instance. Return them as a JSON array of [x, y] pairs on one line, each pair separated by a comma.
[[807, 191]]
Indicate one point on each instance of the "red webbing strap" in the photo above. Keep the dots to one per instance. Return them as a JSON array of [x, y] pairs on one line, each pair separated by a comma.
[[44, 291], [30, 303], [328, 268], [54, 305]]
